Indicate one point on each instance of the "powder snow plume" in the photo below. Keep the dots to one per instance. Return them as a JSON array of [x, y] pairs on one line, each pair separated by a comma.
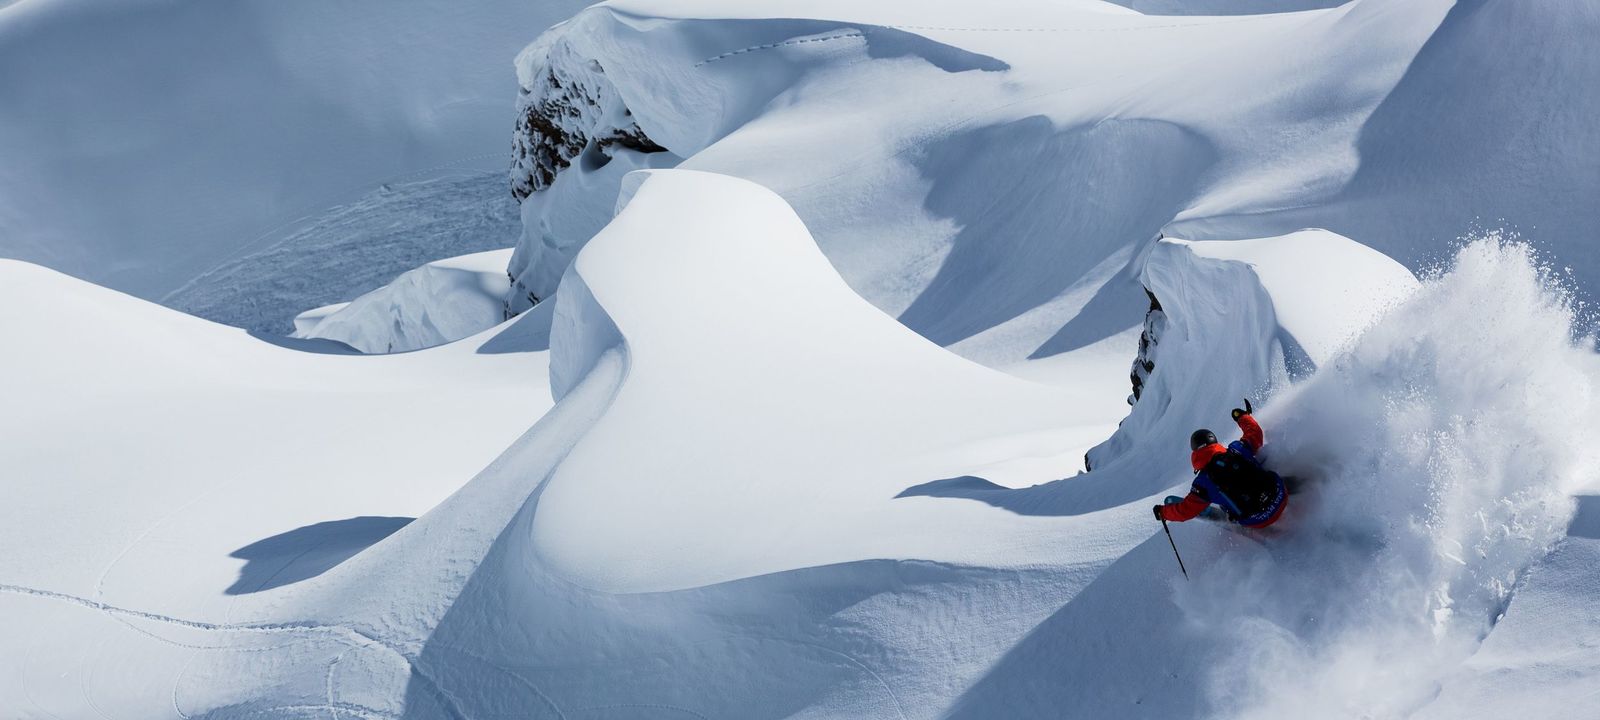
[[1441, 448]]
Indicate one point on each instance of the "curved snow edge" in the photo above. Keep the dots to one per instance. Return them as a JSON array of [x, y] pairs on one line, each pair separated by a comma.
[[1243, 318]]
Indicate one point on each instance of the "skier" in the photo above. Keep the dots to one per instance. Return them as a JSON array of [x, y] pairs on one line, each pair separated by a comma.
[[1231, 478]]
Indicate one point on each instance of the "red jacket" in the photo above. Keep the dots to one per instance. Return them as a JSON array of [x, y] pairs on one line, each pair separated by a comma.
[[1192, 505]]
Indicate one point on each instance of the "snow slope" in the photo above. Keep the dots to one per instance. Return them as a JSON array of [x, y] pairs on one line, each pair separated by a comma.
[[1224, 7], [801, 437], [1469, 404], [886, 567], [1475, 409], [1479, 134], [755, 369], [148, 141], [986, 173], [768, 273], [354, 249], [163, 463]]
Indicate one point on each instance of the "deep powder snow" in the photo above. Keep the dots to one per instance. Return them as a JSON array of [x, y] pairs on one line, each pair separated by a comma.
[[1441, 447]]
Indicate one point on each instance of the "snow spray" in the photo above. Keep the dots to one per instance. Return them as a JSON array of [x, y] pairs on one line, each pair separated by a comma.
[[1441, 448]]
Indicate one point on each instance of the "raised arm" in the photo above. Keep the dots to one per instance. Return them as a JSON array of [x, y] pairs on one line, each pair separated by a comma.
[[1248, 425]]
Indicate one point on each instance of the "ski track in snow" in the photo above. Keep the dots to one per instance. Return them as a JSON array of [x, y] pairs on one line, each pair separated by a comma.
[[350, 636], [351, 248], [865, 32], [647, 706]]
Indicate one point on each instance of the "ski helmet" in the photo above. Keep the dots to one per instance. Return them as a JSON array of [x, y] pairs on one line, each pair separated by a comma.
[[1202, 438]]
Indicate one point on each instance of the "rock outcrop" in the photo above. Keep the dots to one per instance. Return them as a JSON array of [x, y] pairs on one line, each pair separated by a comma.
[[1155, 323], [569, 110], [572, 123]]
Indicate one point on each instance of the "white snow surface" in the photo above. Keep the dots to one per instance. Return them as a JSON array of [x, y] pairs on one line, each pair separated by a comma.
[[754, 369], [986, 172], [797, 429], [911, 555], [1325, 288], [440, 302]]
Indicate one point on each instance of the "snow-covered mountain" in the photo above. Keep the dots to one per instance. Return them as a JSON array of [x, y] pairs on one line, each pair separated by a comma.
[[842, 356]]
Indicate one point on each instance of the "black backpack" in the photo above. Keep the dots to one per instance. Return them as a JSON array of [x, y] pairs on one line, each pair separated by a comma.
[[1249, 487]]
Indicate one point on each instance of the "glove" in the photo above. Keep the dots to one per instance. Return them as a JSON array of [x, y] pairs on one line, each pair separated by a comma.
[[1237, 413], [1159, 516]]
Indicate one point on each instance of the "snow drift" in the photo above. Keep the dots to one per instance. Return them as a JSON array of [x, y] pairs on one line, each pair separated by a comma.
[[175, 479], [437, 303]]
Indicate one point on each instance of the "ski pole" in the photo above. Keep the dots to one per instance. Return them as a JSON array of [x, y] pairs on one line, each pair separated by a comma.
[[1174, 548]]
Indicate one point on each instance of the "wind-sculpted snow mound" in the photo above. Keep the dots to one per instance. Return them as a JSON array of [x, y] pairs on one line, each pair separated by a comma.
[[755, 359], [1440, 449], [989, 174], [721, 485], [440, 302]]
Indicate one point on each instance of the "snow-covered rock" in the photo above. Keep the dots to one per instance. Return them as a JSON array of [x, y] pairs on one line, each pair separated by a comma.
[[1144, 363], [573, 123], [566, 108], [437, 303]]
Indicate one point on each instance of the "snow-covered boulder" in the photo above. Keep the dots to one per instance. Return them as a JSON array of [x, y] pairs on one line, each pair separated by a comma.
[[440, 302], [573, 123], [1144, 363]]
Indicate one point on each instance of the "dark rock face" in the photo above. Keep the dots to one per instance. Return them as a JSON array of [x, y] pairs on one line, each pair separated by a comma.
[[564, 114], [1155, 323]]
